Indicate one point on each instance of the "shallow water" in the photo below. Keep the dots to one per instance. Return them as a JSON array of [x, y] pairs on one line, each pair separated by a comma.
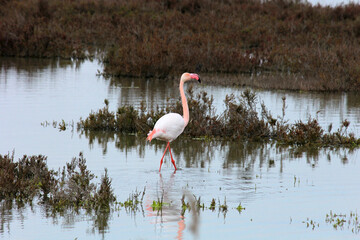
[[281, 188]]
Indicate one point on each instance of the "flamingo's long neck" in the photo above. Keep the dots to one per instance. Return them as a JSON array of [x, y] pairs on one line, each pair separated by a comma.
[[184, 103]]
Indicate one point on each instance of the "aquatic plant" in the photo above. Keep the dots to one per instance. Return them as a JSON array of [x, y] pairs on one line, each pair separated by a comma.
[[240, 208], [340, 221], [133, 202], [212, 204], [158, 205], [223, 207], [311, 223], [72, 189], [62, 125], [199, 205], [184, 205], [147, 39]]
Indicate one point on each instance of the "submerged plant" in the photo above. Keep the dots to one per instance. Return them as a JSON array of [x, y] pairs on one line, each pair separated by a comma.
[[184, 205], [223, 207], [311, 223], [212, 204], [133, 202], [158, 205], [240, 208], [340, 221]]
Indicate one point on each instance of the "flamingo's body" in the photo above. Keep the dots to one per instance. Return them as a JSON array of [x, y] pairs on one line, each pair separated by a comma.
[[171, 125]]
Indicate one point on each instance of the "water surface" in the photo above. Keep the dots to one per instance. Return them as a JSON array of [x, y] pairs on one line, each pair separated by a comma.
[[281, 188]]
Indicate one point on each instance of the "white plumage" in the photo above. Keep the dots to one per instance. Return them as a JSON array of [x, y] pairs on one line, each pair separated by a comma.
[[171, 125]]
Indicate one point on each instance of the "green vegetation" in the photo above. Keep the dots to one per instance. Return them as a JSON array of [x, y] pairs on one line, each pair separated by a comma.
[[72, 189], [341, 221], [306, 47], [311, 223], [241, 120], [223, 207], [158, 205], [338, 221], [67, 192], [212, 204], [133, 202], [240, 208], [184, 205]]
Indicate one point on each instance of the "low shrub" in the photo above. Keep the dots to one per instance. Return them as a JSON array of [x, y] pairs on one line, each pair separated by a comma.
[[30, 178], [240, 121]]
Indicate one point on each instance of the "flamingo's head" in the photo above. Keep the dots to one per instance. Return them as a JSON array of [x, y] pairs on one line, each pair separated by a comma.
[[188, 76]]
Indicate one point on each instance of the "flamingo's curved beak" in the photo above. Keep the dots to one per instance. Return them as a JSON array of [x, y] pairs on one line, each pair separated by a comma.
[[195, 76]]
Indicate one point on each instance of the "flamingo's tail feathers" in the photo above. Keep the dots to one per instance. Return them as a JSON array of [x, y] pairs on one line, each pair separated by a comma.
[[154, 134]]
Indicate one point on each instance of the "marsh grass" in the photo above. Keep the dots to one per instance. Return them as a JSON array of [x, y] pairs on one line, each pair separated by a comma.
[[241, 120], [159, 203], [306, 47], [133, 203]]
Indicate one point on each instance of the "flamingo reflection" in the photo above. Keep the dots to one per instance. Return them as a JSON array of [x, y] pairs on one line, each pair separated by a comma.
[[169, 213]]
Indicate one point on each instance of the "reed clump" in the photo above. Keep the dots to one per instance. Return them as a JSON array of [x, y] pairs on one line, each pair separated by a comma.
[[307, 47], [241, 120]]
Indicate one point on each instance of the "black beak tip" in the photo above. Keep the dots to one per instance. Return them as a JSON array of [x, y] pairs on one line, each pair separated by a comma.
[[199, 80]]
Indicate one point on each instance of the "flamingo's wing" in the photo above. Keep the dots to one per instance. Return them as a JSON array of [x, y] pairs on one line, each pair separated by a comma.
[[168, 127]]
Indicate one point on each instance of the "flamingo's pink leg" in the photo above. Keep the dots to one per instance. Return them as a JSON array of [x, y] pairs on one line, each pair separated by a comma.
[[161, 161], [172, 160]]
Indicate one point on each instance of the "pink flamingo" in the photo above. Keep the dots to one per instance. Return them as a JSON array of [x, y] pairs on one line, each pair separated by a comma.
[[171, 125]]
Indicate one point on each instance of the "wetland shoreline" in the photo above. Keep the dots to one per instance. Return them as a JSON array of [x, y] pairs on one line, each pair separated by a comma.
[[303, 47]]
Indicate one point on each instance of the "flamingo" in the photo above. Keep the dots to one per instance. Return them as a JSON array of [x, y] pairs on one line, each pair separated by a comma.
[[171, 125]]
